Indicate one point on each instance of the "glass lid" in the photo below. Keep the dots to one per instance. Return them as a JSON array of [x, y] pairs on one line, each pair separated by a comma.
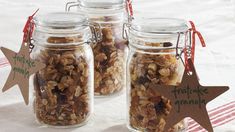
[[102, 4], [159, 25], [61, 20]]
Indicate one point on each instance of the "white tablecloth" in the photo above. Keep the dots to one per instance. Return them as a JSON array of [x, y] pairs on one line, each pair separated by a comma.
[[215, 64]]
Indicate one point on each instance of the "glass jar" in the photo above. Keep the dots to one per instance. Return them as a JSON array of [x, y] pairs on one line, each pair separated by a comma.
[[63, 90], [155, 58], [111, 53]]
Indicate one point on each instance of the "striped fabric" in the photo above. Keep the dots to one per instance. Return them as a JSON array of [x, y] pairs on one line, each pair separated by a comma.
[[3, 62], [218, 116]]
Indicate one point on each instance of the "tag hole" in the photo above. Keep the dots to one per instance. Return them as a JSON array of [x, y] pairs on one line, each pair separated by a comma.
[[177, 57], [190, 73], [25, 44]]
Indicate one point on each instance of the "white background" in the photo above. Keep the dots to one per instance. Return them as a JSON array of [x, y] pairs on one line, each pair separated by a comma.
[[215, 64]]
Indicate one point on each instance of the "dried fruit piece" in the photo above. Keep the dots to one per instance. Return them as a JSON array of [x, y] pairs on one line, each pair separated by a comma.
[[101, 57]]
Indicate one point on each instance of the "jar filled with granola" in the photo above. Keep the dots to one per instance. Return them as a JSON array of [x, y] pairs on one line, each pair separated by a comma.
[[110, 54], [155, 57], [63, 90]]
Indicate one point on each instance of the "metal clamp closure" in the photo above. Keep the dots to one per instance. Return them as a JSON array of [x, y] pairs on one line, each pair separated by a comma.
[[69, 5], [125, 28], [96, 32]]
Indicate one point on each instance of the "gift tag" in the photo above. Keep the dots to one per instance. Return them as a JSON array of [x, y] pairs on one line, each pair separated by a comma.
[[22, 66], [189, 99]]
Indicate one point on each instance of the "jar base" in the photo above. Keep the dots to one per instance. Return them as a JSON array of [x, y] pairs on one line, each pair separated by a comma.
[[114, 94], [63, 127], [131, 129]]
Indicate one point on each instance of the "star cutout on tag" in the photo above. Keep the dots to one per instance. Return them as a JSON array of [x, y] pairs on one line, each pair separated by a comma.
[[22, 66], [189, 99]]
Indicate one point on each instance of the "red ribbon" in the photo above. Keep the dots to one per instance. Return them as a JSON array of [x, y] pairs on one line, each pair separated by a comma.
[[29, 27], [194, 32], [129, 7]]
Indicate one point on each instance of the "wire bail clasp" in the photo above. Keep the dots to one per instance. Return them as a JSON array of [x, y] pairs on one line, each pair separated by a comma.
[[125, 28], [71, 4], [96, 32], [180, 50]]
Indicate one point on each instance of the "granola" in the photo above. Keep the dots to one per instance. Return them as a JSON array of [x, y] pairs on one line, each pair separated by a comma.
[[64, 88], [148, 109], [110, 58]]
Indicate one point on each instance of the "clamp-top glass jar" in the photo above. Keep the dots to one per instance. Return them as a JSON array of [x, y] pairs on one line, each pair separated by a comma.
[[111, 53], [155, 57], [63, 90]]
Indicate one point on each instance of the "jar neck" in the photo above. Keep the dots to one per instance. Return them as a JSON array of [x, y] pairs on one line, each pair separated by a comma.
[[157, 43], [50, 37], [107, 7], [103, 10], [153, 49], [103, 16]]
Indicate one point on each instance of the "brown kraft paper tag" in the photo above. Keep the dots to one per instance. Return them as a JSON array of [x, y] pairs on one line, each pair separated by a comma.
[[189, 99], [22, 66]]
